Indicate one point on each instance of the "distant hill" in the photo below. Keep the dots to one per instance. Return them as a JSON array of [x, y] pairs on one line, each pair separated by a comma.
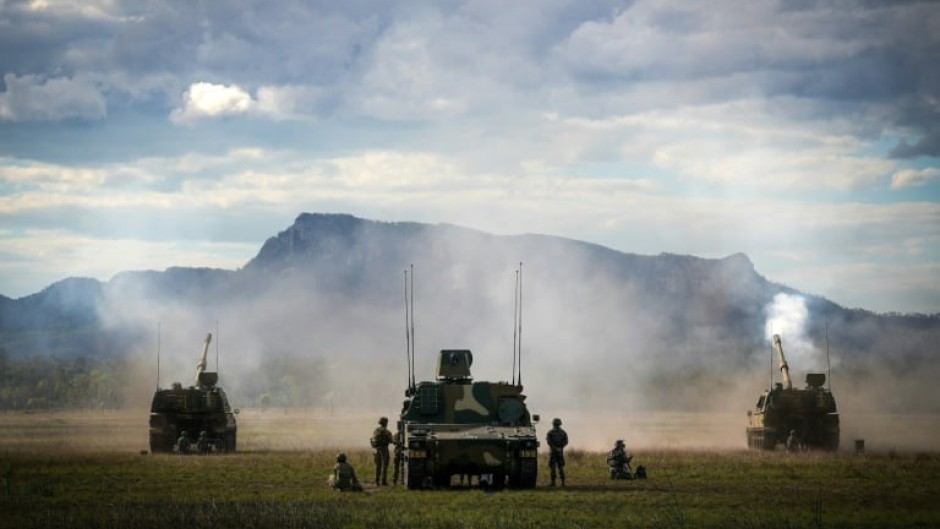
[[330, 288]]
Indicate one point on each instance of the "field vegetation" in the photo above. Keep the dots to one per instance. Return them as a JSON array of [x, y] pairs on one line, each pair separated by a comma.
[[273, 481], [287, 489]]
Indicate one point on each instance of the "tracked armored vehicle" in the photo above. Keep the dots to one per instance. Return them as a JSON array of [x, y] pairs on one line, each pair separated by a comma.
[[808, 413], [194, 409], [455, 426]]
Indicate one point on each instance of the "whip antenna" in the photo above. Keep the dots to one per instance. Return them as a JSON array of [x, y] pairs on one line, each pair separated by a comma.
[[407, 336], [158, 354], [515, 323], [771, 358], [828, 362], [412, 325], [520, 323]]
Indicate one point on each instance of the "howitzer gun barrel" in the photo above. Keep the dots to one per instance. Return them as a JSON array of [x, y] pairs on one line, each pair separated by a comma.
[[784, 368], [201, 365]]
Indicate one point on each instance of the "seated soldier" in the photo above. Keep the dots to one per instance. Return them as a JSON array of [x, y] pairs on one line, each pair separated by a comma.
[[343, 477], [618, 462]]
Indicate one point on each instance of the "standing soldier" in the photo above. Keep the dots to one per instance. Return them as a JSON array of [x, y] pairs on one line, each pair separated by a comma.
[[202, 444], [397, 458], [557, 440], [183, 443], [380, 440]]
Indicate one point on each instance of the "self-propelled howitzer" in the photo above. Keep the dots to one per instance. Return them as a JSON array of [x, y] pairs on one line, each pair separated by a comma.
[[809, 414], [202, 407], [455, 426]]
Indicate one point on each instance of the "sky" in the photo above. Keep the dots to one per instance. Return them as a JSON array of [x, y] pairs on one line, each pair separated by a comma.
[[147, 134]]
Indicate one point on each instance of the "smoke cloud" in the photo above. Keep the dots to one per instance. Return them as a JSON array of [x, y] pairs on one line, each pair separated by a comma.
[[610, 354]]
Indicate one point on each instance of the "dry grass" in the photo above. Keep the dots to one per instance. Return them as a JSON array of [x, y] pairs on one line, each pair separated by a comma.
[[97, 478]]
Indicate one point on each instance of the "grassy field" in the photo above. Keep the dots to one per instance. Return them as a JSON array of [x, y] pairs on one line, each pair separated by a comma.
[[45, 483]]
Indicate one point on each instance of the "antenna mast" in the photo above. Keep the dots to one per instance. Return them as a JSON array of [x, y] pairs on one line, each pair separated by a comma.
[[519, 383], [407, 336], [412, 325], [218, 340], [515, 323], [771, 358], [828, 363], [158, 354]]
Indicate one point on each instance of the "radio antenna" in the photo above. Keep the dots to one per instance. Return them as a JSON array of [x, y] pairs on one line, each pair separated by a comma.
[[407, 336], [515, 323], [771, 357], [158, 354], [218, 340], [828, 362], [520, 324], [412, 325]]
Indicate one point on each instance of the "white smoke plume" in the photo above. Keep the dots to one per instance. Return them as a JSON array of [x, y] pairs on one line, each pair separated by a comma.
[[788, 316]]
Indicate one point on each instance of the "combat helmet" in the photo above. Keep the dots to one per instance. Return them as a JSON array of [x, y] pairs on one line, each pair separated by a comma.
[[556, 422], [383, 421], [619, 443], [341, 457]]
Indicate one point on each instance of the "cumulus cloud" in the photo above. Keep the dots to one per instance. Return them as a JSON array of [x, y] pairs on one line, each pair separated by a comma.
[[207, 100], [36, 98], [914, 177], [648, 126]]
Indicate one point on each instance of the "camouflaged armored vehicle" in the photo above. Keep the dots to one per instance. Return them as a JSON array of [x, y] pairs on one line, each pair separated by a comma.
[[454, 426], [198, 408], [809, 413]]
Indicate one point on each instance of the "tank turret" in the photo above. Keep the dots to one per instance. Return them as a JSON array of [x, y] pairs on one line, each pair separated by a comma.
[[810, 413]]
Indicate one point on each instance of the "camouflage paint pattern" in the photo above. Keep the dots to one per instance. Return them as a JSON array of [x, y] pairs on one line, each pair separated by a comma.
[[456, 426]]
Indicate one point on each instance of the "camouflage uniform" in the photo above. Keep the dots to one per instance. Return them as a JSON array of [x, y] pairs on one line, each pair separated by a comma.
[[183, 443], [398, 458], [557, 440], [618, 461], [793, 442], [203, 443], [343, 477], [380, 440]]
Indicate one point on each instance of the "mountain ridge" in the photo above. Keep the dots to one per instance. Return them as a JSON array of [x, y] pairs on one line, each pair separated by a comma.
[[328, 290]]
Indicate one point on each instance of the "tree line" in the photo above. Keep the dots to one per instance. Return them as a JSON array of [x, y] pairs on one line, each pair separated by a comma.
[[42, 383]]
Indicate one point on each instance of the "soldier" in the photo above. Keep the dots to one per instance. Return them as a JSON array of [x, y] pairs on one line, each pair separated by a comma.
[[618, 461], [793, 441], [398, 457], [182, 444], [380, 440], [343, 477], [203, 443], [557, 440]]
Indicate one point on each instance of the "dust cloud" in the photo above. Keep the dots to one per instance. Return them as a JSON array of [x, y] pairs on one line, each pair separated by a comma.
[[596, 349]]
